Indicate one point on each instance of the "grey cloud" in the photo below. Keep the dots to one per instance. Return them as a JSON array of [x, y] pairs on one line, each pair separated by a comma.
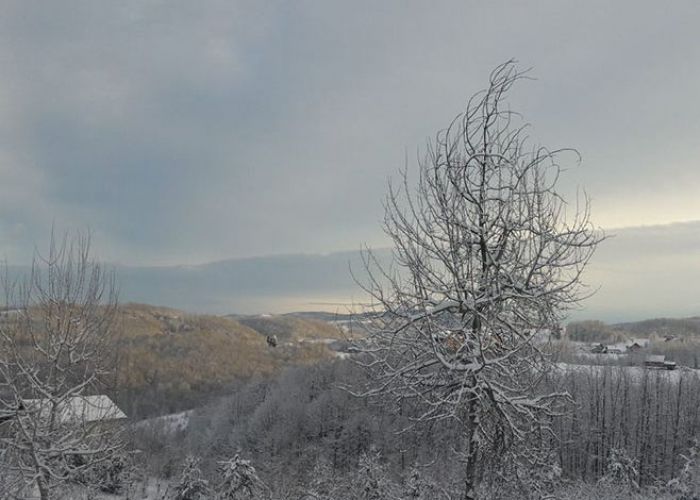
[[637, 273], [187, 132]]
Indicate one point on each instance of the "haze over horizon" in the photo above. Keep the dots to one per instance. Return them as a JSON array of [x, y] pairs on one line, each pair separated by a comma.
[[639, 273]]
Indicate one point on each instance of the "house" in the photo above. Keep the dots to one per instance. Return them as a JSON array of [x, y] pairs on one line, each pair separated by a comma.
[[634, 347], [659, 361], [599, 349], [79, 409]]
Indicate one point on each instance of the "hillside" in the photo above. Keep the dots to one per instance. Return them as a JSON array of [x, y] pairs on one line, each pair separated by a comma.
[[291, 328], [679, 327], [598, 331], [171, 360]]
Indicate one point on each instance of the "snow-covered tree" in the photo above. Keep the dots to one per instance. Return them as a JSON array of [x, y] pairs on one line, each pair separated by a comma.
[[113, 475], [526, 471], [621, 470], [372, 483], [320, 481], [191, 484], [239, 480], [56, 349], [487, 259], [415, 487], [687, 485]]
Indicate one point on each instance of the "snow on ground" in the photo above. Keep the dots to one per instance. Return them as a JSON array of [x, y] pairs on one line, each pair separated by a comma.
[[175, 422], [635, 372], [306, 340], [600, 358], [339, 354], [153, 489]]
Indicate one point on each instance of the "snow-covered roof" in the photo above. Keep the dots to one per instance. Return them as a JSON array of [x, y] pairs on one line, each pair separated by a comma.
[[83, 409], [638, 341], [625, 346]]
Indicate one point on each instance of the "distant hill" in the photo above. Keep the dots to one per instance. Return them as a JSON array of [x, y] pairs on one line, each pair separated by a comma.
[[639, 272], [598, 331], [274, 284], [171, 360], [291, 328], [680, 327], [330, 317]]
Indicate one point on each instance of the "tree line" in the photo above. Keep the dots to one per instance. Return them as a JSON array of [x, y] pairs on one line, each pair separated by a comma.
[[305, 431]]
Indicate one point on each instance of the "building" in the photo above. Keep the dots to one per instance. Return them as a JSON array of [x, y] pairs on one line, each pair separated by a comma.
[[79, 409], [599, 349], [658, 361], [634, 346]]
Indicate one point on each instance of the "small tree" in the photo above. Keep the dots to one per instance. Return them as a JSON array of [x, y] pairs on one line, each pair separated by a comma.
[[621, 470], [487, 257], [113, 475], [687, 485], [320, 481], [415, 487], [56, 347], [239, 480], [373, 483], [191, 484]]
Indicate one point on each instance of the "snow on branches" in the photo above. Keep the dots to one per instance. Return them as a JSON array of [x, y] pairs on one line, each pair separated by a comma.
[[488, 257]]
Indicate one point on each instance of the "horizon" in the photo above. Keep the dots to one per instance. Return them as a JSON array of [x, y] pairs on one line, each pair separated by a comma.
[[641, 272]]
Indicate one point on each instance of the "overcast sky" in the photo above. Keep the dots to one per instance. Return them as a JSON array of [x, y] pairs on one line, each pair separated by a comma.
[[186, 132]]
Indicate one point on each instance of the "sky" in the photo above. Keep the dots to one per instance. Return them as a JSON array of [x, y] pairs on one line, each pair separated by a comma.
[[637, 273], [186, 132]]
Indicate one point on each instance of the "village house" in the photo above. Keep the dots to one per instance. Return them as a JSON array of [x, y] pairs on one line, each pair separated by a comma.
[[79, 410], [659, 361], [95, 415]]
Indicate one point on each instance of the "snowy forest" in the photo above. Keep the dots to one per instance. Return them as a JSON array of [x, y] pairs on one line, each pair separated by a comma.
[[457, 378]]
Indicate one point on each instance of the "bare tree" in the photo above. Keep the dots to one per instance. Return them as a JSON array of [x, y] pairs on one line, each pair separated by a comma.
[[56, 352], [487, 258]]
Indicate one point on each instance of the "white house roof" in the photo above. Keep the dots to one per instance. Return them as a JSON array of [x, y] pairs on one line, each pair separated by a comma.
[[83, 409], [656, 358], [642, 342], [624, 346]]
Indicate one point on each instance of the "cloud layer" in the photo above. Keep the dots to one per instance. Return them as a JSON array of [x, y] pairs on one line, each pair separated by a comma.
[[187, 132], [637, 273]]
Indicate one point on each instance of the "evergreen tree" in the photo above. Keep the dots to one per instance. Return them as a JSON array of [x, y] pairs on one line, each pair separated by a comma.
[[239, 479], [192, 485]]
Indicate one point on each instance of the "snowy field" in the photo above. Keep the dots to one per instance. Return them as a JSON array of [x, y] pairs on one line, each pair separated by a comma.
[[169, 424], [153, 489], [633, 372]]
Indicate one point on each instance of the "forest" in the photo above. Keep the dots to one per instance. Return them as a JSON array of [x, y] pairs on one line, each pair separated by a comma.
[[623, 436]]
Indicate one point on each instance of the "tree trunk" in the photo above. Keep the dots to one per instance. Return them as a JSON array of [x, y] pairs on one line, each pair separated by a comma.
[[472, 453], [42, 486]]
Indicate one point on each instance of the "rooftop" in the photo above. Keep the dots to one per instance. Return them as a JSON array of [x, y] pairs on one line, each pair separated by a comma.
[[83, 409]]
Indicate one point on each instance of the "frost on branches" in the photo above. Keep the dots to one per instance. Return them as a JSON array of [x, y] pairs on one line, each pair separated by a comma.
[[373, 484], [191, 484], [239, 480], [487, 258], [56, 353], [622, 470], [687, 485]]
